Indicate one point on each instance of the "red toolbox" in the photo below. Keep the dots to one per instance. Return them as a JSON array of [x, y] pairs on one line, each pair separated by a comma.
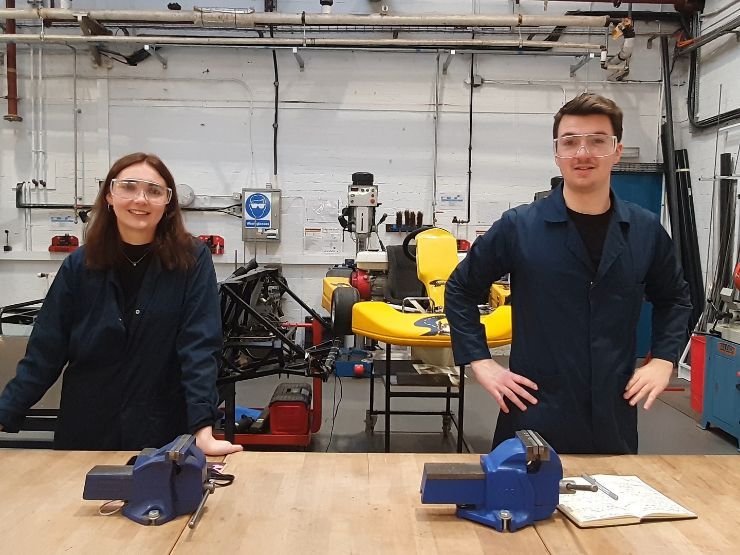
[[64, 243], [290, 409]]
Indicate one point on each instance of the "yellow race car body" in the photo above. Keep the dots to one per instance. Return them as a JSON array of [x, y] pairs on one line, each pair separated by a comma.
[[381, 321], [436, 258]]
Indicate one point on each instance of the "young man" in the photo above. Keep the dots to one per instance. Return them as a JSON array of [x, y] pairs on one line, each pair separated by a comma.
[[581, 261]]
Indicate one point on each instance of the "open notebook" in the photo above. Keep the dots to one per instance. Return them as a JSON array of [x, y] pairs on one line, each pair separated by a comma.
[[636, 502]]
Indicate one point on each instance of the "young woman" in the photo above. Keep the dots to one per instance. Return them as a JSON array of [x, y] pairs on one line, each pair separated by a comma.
[[134, 317]]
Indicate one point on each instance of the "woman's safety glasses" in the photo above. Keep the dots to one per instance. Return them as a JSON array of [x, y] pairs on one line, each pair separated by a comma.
[[129, 189]]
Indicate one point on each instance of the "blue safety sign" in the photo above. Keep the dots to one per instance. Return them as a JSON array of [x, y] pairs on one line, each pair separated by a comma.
[[257, 211]]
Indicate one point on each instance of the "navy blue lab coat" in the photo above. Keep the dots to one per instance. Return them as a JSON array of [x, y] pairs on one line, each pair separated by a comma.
[[574, 328], [123, 389]]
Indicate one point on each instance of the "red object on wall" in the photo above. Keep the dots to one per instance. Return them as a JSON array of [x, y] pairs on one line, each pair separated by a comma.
[[64, 243], [737, 276], [698, 357], [214, 242], [463, 245], [360, 280]]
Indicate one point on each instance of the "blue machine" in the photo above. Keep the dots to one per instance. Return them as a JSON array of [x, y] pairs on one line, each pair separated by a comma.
[[162, 483], [515, 484], [353, 363], [722, 386]]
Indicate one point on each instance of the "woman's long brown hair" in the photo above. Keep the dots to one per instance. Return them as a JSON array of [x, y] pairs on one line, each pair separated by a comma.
[[174, 246]]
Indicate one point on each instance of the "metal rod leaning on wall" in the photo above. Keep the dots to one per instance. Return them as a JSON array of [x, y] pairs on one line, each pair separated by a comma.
[[242, 19], [690, 243], [669, 149]]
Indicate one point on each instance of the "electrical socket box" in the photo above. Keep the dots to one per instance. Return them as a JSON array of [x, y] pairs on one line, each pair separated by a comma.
[[261, 214]]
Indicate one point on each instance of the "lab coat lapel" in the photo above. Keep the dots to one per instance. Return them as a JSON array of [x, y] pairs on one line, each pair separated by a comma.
[[615, 241], [576, 246], [555, 212]]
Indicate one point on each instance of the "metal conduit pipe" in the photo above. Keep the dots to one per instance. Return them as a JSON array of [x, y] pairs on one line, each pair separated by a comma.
[[75, 128], [685, 6], [700, 41], [12, 75], [251, 20], [241, 19], [299, 42]]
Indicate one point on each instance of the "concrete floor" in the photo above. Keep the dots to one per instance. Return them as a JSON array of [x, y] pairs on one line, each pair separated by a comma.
[[670, 427], [664, 429]]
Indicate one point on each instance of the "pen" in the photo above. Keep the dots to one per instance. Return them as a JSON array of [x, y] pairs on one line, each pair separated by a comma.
[[591, 480]]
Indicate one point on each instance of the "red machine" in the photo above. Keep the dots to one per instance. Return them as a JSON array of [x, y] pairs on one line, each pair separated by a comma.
[[290, 418], [64, 243], [360, 280], [214, 242], [290, 409]]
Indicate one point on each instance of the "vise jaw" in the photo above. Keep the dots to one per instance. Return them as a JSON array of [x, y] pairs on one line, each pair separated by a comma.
[[514, 485], [160, 485]]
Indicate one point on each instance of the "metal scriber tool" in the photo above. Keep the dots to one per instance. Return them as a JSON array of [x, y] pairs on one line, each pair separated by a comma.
[[591, 480]]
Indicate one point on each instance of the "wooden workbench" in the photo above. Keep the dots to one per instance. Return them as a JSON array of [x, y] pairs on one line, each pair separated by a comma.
[[350, 503]]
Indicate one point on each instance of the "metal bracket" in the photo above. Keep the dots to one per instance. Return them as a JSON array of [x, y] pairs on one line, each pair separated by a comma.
[[447, 61], [581, 61], [298, 58], [650, 40], [152, 49]]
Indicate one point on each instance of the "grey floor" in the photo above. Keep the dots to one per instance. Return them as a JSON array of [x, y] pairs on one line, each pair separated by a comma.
[[669, 427]]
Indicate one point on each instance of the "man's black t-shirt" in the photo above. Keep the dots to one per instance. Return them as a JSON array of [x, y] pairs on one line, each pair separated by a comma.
[[592, 228]]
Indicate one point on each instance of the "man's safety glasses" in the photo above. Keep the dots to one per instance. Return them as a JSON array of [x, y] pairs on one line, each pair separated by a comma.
[[129, 189], [594, 144]]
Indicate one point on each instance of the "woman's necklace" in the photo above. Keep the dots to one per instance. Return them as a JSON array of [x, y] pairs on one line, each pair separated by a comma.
[[135, 262]]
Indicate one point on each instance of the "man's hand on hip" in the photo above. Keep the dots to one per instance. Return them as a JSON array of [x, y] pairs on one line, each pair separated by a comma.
[[649, 380], [503, 384]]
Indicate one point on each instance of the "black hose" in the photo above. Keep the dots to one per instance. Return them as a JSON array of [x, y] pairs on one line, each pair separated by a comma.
[[711, 121]]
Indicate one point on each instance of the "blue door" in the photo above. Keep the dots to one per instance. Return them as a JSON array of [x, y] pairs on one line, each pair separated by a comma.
[[645, 189]]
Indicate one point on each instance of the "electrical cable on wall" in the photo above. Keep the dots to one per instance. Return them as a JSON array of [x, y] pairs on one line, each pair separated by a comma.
[[455, 219], [271, 5], [691, 99]]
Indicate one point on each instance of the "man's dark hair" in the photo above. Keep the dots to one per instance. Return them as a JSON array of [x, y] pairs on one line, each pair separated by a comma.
[[589, 104]]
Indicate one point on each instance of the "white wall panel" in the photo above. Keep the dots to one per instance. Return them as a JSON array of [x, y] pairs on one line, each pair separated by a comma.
[[209, 115]]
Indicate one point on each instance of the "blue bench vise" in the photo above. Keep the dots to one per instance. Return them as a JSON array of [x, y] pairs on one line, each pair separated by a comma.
[[515, 484], [162, 483]]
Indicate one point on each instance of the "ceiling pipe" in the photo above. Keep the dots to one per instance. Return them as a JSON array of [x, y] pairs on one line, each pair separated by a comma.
[[12, 75], [619, 64], [683, 6], [230, 18], [267, 42]]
